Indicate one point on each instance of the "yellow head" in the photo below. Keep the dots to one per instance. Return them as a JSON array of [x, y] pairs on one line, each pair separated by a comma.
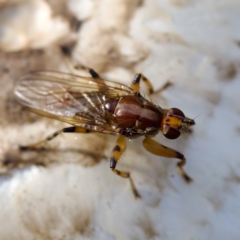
[[174, 123]]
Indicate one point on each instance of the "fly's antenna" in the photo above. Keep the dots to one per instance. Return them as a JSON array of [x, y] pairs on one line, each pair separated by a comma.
[[199, 115], [191, 133]]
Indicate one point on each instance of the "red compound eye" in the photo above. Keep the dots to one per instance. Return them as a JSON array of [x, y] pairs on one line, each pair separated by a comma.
[[176, 112], [170, 132]]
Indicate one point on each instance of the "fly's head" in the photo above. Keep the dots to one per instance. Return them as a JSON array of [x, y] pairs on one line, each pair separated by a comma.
[[174, 123]]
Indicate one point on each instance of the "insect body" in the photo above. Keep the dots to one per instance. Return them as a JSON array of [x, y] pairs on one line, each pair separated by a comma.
[[92, 104]]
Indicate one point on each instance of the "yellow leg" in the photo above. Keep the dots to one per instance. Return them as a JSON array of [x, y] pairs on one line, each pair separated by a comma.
[[160, 150], [136, 83], [49, 138], [164, 87], [115, 156]]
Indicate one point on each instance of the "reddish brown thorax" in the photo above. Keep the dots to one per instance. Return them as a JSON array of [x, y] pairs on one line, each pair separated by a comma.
[[135, 113]]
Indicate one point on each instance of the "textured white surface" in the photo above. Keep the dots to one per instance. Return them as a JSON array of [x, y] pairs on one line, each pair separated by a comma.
[[29, 24], [193, 44]]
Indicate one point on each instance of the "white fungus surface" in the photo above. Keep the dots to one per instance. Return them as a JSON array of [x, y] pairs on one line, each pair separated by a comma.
[[195, 45]]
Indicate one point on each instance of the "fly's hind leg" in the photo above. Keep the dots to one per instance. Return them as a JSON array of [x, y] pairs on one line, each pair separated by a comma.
[[67, 52], [95, 75], [73, 129], [136, 84], [160, 150], [115, 156]]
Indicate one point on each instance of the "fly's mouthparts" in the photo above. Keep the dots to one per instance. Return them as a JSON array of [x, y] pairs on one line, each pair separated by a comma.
[[189, 121]]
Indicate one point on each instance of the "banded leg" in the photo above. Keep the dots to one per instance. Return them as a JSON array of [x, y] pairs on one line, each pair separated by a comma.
[[164, 87], [94, 74], [160, 150], [67, 52], [115, 156], [49, 138], [136, 84], [90, 70]]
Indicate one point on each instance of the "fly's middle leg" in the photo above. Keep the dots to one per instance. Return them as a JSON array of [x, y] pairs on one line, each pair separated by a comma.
[[115, 156], [55, 134], [136, 83], [164, 87], [160, 150]]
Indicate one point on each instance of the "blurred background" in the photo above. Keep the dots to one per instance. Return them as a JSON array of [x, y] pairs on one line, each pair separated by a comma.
[[66, 190]]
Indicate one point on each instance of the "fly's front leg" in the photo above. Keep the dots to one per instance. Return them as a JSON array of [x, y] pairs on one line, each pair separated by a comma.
[[49, 138], [115, 156], [160, 150]]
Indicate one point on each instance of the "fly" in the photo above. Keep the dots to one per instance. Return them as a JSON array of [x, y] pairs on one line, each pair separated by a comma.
[[92, 104]]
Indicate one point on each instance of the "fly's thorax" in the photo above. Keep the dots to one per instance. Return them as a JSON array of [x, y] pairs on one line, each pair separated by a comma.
[[136, 114], [110, 105]]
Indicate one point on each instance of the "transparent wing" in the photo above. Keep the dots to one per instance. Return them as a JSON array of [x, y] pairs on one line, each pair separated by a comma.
[[69, 98]]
